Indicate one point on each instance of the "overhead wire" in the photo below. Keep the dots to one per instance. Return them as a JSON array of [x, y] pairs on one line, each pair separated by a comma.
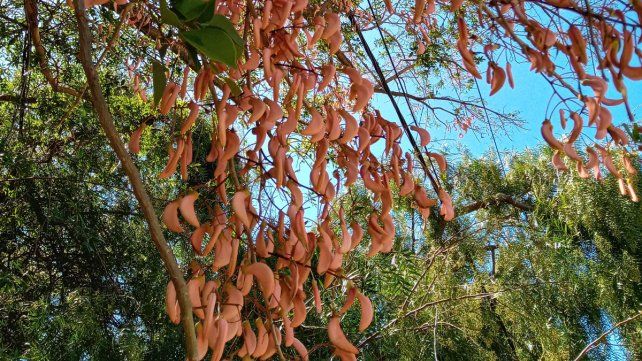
[[387, 90]]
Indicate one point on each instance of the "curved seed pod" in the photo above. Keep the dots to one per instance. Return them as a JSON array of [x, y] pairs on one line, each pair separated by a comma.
[[352, 127], [231, 266], [171, 304], [499, 77], [249, 337], [317, 296], [344, 355], [332, 25], [183, 90], [419, 11], [244, 282], [272, 346], [628, 165], [316, 124], [338, 338], [201, 342], [288, 330], [424, 136], [593, 160], [300, 349], [319, 27], [262, 339], [562, 119], [622, 186], [446, 209], [172, 163], [240, 208], [207, 291], [422, 198], [264, 277], [440, 159], [186, 207], [275, 113], [337, 260], [509, 74], [352, 293], [219, 346], [191, 118], [169, 102], [619, 136], [571, 153], [252, 62], [631, 191], [547, 134], [557, 161], [134, 140], [223, 252], [327, 71], [231, 310], [607, 160], [258, 109], [261, 248], [357, 235], [605, 121], [170, 216], [196, 239], [577, 127], [581, 170], [325, 256], [408, 184], [300, 312], [193, 288], [367, 312]]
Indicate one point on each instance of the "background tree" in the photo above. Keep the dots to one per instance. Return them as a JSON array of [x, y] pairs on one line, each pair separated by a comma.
[[281, 105]]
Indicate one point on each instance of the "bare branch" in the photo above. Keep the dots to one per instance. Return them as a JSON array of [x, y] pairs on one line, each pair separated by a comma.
[[107, 123], [602, 337], [31, 12], [499, 198]]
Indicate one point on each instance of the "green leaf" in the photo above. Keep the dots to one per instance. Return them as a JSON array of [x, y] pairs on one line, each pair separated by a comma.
[[168, 16], [208, 12], [213, 43], [191, 9], [220, 21], [159, 80]]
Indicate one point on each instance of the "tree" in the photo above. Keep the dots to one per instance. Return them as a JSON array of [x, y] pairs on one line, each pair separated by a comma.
[[280, 107]]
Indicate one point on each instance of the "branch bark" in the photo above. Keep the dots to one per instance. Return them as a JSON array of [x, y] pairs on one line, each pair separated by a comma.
[[602, 337], [31, 13], [107, 123], [498, 199]]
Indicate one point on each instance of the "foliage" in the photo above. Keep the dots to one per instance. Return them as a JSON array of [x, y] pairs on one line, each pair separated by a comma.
[[268, 112]]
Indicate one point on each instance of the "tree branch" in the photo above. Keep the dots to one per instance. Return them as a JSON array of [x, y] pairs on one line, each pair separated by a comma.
[[31, 12], [16, 99], [107, 123], [499, 198], [600, 339]]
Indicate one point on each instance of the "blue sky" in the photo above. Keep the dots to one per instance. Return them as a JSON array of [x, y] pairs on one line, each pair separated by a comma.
[[530, 98]]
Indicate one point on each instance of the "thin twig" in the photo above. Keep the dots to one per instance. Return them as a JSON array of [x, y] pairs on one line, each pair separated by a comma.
[[602, 337]]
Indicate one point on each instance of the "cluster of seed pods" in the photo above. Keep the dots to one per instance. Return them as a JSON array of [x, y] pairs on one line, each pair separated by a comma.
[[326, 104], [286, 256]]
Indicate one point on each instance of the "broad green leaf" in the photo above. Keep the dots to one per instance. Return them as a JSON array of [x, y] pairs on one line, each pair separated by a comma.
[[191, 9], [168, 16], [208, 12], [213, 43], [159, 80], [220, 21]]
